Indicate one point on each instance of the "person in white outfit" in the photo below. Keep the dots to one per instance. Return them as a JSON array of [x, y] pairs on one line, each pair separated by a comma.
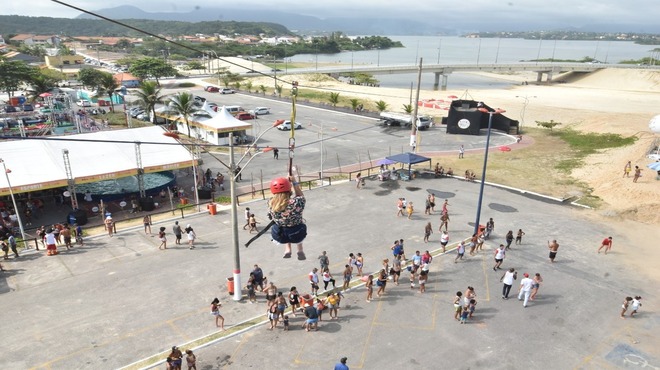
[[526, 285]]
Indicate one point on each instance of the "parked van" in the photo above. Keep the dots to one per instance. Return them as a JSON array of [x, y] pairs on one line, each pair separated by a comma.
[[234, 109]]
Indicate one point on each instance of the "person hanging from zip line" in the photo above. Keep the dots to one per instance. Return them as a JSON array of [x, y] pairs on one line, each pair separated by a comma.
[[286, 210]]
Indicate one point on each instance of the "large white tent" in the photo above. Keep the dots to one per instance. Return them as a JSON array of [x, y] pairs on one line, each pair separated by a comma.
[[39, 164], [209, 125]]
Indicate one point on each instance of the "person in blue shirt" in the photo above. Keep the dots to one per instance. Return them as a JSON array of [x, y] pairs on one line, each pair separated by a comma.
[[342, 364]]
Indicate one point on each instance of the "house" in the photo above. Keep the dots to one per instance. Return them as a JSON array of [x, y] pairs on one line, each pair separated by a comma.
[[64, 61], [127, 80], [30, 39]]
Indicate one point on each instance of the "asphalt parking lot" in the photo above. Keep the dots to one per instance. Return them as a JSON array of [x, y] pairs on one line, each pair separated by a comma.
[[119, 300]]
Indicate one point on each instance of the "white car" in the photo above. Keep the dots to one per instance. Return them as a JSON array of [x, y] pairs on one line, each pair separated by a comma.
[[286, 126], [260, 110], [227, 90], [83, 103]]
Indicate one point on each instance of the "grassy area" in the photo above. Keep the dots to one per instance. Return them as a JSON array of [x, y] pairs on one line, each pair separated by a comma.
[[583, 144]]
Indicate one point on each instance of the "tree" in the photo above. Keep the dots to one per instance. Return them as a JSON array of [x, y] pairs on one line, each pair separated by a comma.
[[107, 86], [355, 104], [149, 94], [183, 104], [237, 85], [39, 84], [381, 106], [549, 125], [13, 74], [334, 99], [278, 88], [408, 108], [151, 68], [194, 65], [263, 89], [248, 86], [90, 77]]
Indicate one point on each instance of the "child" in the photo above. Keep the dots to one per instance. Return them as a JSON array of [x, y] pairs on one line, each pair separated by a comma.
[[472, 306], [624, 306], [519, 236], [423, 275], [191, 360], [286, 322], [636, 304], [215, 311], [252, 221], [252, 295], [460, 251], [465, 313], [410, 209], [79, 234]]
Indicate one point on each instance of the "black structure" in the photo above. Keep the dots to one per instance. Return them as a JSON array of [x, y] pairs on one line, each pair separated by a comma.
[[465, 118]]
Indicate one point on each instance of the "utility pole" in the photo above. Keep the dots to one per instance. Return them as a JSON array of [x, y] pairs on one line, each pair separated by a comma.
[[414, 140]]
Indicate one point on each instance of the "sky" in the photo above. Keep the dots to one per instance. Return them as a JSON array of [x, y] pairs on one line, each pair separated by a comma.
[[565, 12]]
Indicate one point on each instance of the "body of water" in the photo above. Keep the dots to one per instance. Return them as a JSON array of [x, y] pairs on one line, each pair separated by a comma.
[[441, 50]]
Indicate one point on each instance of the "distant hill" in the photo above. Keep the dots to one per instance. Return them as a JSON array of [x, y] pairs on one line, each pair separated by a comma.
[[13, 24]]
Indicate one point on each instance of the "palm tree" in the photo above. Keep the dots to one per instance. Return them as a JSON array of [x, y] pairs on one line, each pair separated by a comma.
[[278, 88], [149, 95], [408, 108], [381, 105], [248, 86], [355, 104], [183, 104], [263, 89], [334, 99], [108, 85], [39, 84]]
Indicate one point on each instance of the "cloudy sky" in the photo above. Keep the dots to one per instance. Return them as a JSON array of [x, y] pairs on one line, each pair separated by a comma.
[[560, 12]]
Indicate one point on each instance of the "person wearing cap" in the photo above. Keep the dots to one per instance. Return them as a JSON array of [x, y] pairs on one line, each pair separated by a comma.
[[286, 211], [342, 364], [109, 224], [526, 285], [607, 244]]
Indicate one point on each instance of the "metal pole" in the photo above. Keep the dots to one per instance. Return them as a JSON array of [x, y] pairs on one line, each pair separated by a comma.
[[414, 140], [13, 200], [483, 174], [194, 165], [321, 153], [238, 295]]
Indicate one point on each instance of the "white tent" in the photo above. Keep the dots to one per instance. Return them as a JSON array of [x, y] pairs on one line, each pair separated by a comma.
[[211, 126], [39, 164]]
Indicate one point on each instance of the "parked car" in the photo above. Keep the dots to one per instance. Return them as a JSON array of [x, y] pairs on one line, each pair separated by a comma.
[[258, 111], [200, 99], [10, 109], [286, 126], [227, 90], [136, 113], [243, 116], [211, 89], [28, 108], [84, 103]]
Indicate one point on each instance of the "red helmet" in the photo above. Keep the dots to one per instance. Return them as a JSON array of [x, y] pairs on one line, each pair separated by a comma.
[[280, 185]]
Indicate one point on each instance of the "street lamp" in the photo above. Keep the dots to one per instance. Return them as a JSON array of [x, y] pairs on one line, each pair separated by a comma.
[[483, 172], [13, 200], [233, 175]]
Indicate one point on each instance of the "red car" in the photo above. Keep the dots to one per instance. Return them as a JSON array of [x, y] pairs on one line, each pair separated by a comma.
[[211, 89], [243, 116]]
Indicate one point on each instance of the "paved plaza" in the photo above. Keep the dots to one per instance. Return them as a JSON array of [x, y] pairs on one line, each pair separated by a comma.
[[119, 300]]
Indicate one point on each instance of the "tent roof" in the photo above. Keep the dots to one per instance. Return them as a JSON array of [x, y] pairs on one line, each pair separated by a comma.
[[221, 120], [39, 164], [408, 158]]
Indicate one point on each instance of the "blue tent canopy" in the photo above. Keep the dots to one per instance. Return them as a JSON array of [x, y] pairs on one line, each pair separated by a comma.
[[409, 159]]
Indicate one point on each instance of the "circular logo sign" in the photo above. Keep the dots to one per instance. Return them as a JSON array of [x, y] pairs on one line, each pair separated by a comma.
[[464, 123]]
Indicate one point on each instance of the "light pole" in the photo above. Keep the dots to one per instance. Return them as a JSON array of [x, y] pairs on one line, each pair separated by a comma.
[[483, 171], [439, 49], [497, 54], [13, 200], [479, 51]]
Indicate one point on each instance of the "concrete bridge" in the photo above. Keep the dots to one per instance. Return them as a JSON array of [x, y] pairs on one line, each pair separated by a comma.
[[442, 71]]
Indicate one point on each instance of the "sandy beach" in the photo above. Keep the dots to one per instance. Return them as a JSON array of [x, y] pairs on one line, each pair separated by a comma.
[[608, 101]]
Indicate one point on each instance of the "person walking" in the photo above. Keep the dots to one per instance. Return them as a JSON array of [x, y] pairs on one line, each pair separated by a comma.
[[359, 263], [399, 207], [396, 269], [427, 205], [444, 240], [444, 221], [324, 260], [348, 275], [625, 305], [327, 279], [314, 281], [294, 300], [109, 225], [626, 169], [636, 304], [507, 280], [428, 230], [191, 360], [509, 239], [410, 209], [638, 174], [537, 284], [607, 244], [12, 244], [5, 249], [215, 311], [191, 236], [461, 152], [432, 201], [460, 251], [176, 230], [526, 285], [247, 218], [458, 307], [499, 257], [381, 282], [370, 287], [146, 220], [553, 247], [162, 238], [519, 236], [276, 153]]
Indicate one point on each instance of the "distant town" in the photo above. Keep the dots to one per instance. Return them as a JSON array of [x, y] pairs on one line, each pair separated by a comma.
[[638, 38]]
